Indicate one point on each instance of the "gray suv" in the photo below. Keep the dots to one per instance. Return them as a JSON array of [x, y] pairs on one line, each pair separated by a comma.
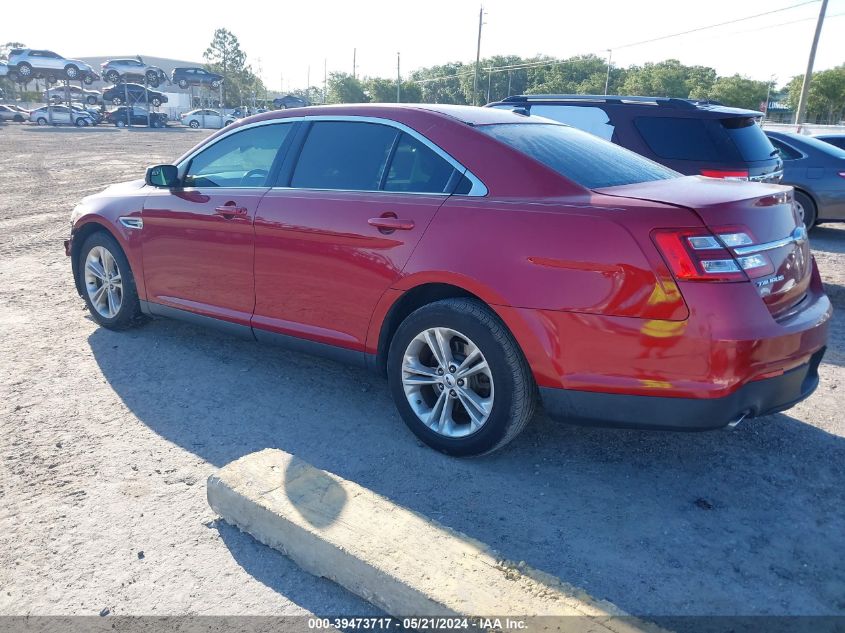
[[30, 63], [132, 69]]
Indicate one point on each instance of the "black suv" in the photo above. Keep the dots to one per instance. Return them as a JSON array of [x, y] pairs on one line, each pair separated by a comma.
[[117, 95], [692, 137]]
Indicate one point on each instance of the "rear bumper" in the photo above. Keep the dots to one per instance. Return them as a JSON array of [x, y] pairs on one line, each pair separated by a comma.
[[754, 399]]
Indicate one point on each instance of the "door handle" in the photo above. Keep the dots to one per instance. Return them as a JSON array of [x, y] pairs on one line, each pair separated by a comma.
[[231, 210], [391, 224]]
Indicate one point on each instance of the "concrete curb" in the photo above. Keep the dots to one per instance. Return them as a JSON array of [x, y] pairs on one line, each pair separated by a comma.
[[396, 559]]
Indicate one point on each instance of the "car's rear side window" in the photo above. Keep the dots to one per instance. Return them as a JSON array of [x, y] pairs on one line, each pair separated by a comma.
[[683, 139], [579, 156], [344, 155], [417, 168]]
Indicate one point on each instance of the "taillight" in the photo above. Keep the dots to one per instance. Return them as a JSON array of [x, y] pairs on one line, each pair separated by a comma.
[[842, 174], [699, 255], [726, 174]]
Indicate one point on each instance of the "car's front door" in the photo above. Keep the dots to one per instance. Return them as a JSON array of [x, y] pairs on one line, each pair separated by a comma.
[[198, 239], [341, 224]]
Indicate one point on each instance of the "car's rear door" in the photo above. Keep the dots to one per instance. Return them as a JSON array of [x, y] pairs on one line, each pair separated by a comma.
[[339, 228], [198, 240]]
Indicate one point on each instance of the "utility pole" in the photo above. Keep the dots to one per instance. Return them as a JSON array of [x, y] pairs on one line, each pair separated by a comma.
[[607, 79], [805, 85], [354, 61], [325, 76], [489, 82], [477, 57], [398, 79], [308, 79], [510, 76]]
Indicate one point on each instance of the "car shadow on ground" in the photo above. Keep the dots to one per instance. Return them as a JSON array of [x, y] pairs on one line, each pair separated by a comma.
[[739, 522], [829, 238]]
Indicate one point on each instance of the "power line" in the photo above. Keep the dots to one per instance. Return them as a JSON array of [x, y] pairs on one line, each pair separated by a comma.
[[713, 26], [557, 61]]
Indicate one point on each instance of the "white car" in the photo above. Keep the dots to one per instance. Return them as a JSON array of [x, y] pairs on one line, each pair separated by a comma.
[[30, 63], [61, 115], [7, 113], [206, 119], [115, 69]]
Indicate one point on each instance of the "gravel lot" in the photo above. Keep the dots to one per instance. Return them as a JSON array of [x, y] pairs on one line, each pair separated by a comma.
[[106, 440]]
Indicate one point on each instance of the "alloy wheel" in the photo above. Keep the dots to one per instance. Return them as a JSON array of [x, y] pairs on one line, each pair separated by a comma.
[[103, 282], [448, 382]]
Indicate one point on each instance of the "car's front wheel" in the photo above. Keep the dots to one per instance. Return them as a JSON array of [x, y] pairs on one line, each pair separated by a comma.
[[459, 379], [116, 100], [194, 124], [107, 283], [71, 71], [42, 121]]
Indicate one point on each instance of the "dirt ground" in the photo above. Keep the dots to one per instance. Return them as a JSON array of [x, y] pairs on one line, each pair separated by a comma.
[[106, 440]]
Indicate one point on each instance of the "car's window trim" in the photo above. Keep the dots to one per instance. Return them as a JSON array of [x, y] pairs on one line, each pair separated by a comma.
[[478, 188]]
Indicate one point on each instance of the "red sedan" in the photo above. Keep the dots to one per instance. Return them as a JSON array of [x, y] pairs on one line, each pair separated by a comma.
[[484, 260]]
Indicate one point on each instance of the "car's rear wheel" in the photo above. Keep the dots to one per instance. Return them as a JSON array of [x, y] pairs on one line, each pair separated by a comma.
[[24, 70], [215, 84], [459, 379], [120, 123], [81, 122], [107, 283], [91, 100], [117, 101], [113, 76], [156, 102], [806, 209], [88, 79], [183, 83], [42, 121]]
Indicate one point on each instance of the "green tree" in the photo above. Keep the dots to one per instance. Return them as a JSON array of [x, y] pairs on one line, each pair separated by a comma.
[[826, 99], [225, 56], [344, 88], [7, 84], [739, 92], [663, 79]]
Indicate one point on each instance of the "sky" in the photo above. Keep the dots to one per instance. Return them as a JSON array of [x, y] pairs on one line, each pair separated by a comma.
[[290, 42]]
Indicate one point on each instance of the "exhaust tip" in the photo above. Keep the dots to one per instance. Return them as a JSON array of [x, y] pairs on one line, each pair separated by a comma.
[[735, 422]]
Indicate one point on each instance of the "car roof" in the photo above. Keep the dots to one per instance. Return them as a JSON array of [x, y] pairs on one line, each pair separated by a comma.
[[674, 103], [830, 135], [470, 115]]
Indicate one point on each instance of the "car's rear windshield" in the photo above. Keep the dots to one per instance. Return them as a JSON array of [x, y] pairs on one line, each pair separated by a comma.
[[581, 157], [749, 138]]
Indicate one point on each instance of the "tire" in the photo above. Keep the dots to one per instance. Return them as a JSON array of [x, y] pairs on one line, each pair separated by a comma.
[[14, 76], [91, 100], [506, 387], [806, 209], [113, 76], [88, 79], [183, 84], [42, 121], [18, 118], [24, 70], [120, 123], [156, 102], [128, 313], [71, 71], [194, 124], [155, 123], [215, 84], [117, 100], [51, 79], [81, 122]]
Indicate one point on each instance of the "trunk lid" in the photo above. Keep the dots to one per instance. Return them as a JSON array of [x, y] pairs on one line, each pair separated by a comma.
[[765, 213]]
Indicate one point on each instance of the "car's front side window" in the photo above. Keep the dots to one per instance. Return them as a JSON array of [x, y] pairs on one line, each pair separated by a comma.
[[344, 155], [241, 159]]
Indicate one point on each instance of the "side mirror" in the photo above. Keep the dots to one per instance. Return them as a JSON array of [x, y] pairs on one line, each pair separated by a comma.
[[166, 176]]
